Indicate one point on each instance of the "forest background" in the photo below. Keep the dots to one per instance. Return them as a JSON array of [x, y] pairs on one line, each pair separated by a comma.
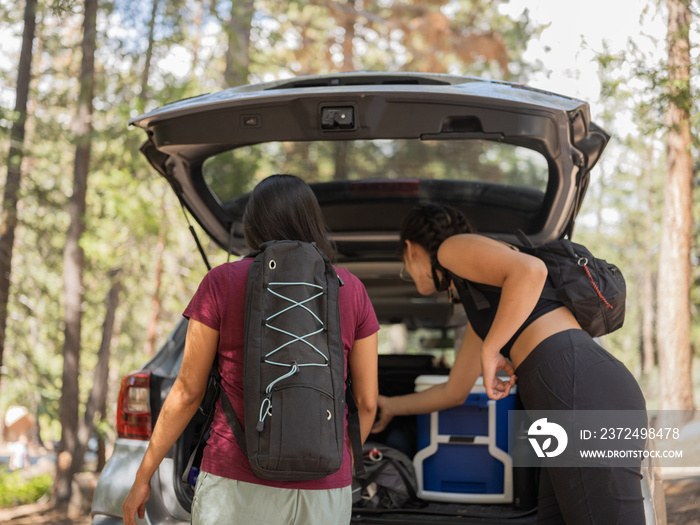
[[96, 256]]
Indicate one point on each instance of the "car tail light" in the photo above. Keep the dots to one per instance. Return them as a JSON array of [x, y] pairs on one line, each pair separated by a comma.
[[398, 187], [134, 407]]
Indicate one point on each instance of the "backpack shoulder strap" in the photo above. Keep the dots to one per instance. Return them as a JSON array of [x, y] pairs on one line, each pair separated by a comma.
[[524, 240], [215, 385], [480, 300], [229, 413], [354, 429], [482, 303], [233, 421], [526, 245]]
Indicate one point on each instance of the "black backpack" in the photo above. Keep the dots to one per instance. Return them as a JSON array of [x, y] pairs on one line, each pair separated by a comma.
[[593, 289], [294, 389], [389, 481]]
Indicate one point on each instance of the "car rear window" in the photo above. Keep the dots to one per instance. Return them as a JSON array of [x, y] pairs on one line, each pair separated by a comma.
[[233, 173]]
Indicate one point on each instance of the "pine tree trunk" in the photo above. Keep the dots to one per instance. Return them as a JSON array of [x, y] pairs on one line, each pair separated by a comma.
[[98, 393], [238, 34], [74, 263], [348, 24], [8, 219], [196, 40], [673, 291], [146, 73], [152, 330], [647, 296]]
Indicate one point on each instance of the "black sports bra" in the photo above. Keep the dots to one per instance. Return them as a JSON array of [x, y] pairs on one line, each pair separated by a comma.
[[480, 303]]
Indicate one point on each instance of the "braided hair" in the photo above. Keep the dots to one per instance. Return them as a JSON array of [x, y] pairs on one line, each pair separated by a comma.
[[428, 226]]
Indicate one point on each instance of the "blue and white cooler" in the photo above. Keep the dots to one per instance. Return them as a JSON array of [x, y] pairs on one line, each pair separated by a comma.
[[463, 452]]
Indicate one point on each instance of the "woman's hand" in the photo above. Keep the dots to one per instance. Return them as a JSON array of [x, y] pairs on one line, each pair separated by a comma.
[[384, 414], [179, 407], [135, 502], [491, 364]]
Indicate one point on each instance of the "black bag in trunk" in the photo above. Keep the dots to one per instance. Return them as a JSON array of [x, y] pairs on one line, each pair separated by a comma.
[[389, 481]]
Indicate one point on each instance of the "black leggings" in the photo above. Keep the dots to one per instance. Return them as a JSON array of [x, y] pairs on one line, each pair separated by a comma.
[[569, 371]]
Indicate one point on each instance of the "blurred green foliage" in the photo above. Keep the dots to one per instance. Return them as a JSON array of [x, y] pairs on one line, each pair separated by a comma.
[[17, 488]]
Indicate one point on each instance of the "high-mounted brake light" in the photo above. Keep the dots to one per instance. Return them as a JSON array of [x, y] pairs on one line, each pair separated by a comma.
[[134, 407], [398, 187]]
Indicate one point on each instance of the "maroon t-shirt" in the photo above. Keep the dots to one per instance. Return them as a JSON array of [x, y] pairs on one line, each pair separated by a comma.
[[219, 303]]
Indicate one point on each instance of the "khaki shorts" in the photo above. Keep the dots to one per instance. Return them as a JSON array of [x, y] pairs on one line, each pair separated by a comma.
[[220, 501]]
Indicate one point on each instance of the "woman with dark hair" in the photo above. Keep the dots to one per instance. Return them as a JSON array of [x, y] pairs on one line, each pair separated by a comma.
[[558, 366], [281, 207], [284, 207]]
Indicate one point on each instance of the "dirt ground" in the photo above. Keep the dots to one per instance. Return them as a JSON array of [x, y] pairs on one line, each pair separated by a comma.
[[682, 507], [683, 500], [42, 514]]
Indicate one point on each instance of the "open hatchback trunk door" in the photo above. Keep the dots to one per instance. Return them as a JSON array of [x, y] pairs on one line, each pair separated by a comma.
[[373, 145]]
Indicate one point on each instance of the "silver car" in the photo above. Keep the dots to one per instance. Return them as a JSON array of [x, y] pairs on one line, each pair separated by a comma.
[[372, 146]]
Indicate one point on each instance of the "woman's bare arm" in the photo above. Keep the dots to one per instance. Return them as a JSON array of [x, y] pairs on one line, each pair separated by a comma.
[[362, 362], [453, 392], [179, 407], [521, 278]]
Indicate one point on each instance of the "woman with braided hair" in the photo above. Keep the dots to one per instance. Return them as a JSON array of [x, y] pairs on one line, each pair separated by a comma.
[[558, 366]]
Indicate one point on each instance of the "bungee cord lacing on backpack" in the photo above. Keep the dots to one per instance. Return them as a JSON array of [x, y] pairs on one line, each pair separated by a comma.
[[294, 366]]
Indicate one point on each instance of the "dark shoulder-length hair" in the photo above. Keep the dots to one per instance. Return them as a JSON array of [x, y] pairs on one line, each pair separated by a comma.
[[428, 225], [284, 207]]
